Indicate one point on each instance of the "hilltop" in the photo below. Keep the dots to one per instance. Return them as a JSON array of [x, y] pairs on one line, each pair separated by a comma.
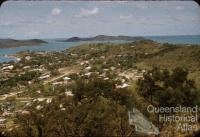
[[144, 54], [11, 43]]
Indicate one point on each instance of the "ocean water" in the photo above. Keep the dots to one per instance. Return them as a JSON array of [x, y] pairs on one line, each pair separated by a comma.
[[54, 45], [189, 39]]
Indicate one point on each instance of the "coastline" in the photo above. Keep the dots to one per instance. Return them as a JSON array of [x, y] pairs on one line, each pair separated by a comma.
[[9, 58], [12, 47]]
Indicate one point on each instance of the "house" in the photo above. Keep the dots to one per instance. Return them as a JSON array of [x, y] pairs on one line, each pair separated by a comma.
[[25, 112], [63, 109], [18, 59], [49, 100], [88, 74], [40, 99], [27, 57], [57, 83], [112, 68], [138, 77], [102, 75], [10, 67], [73, 54], [38, 91], [122, 86], [2, 122], [26, 67], [88, 68], [143, 71], [84, 62], [5, 65], [69, 93], [30, 82], [38, 107], [44, 76], [61, 105], [66, 78], [106, 78], [37, 69]]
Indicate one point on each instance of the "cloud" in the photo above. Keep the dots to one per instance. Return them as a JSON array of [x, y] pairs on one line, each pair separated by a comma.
[[5, 24], [88, 12], [56, 11], [180, 8], [33, 33], [142, 6], [125, 17]]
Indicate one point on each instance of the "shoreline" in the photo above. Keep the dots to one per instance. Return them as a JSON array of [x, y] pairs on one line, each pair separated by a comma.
[[12, 47], [10, 57]]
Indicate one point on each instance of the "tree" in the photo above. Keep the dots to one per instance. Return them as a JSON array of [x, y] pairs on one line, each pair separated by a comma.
[[163, 88], [96, 109]]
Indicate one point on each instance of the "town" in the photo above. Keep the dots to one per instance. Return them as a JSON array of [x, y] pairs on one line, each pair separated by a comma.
[[21, 81], [38, 79]]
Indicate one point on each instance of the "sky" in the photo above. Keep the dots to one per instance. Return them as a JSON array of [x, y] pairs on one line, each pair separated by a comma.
[[54, 19]]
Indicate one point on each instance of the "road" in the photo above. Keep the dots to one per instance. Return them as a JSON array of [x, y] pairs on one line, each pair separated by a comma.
[[64, 72]]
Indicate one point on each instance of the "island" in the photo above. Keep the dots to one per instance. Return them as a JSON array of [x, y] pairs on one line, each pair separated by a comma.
[[103, 38], [12, 43]]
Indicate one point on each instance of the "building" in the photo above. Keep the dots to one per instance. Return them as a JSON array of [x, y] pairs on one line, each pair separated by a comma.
[[2, 122], [66, 78], [44, 76]]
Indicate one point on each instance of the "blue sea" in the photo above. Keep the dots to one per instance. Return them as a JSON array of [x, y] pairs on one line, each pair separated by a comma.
[[54, 45], [189, 39]]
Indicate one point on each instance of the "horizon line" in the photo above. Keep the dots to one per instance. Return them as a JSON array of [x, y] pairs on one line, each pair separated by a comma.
[[100, 35]]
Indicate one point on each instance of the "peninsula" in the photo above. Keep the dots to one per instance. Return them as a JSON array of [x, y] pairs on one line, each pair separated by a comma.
[[12, 43]]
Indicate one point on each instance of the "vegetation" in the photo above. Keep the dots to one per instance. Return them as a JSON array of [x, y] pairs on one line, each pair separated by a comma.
[[105, 83], [95, 109], [162, 88]]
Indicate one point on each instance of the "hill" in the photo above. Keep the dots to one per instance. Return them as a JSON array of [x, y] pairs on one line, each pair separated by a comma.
[[144, 54], [11, 43], [103, 38]]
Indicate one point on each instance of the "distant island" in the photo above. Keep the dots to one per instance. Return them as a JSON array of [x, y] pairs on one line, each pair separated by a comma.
[[103, 38], [12, 43]]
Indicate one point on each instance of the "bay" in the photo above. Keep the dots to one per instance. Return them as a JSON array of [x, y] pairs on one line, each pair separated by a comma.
[[54, 45]]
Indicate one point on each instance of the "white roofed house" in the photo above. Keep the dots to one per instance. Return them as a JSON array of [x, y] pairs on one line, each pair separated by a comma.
[[57, 83], [44, 76], [26, 67], [49, 100], [10, 67], [69, 93], [39, 107], [27, 57], [66, 78], [88, 68], [84, 62], [40, 99], [88, 74], [2, 122], [124, 85]]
